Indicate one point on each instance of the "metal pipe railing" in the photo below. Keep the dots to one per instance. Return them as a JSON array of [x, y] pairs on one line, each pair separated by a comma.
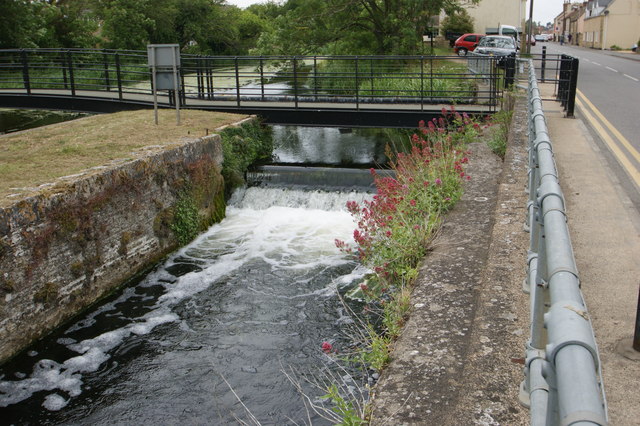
[[563, 384]]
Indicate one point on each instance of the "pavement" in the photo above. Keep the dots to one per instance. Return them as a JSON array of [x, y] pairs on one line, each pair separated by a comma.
[[459, 359]]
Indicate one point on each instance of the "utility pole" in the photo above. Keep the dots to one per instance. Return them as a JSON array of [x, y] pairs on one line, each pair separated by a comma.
[[529, 27]]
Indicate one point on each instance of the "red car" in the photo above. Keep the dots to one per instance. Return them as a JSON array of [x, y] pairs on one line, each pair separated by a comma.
[[466, 43]]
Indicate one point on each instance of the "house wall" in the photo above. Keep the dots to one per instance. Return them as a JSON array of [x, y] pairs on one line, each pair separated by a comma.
[[623, 24], [492, 13], [619, 27]]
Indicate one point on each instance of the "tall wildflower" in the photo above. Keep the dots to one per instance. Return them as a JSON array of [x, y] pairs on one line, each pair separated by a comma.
[[394, 228]]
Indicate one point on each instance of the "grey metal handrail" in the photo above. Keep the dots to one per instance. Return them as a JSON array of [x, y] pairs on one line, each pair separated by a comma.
[[562, 383]]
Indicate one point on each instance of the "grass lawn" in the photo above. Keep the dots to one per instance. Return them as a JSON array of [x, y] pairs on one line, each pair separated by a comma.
[[39, 156]]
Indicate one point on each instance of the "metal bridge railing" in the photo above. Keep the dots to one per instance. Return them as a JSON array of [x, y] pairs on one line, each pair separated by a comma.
[[361, 80], [562, 383]]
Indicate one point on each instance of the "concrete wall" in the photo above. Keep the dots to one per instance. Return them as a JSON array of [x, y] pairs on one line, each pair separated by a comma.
[[78, 241]]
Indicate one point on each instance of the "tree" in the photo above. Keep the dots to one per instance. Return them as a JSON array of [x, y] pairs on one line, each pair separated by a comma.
[[354, 26], [126, 24], [459, 22]]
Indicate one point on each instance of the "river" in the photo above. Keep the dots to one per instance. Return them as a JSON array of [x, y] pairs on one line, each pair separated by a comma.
[[207, 336]]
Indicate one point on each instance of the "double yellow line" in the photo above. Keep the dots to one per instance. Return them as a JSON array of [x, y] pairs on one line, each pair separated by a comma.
[[625, 153]]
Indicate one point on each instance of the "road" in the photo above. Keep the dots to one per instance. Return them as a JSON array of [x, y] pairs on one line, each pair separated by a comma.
[[608, 100]]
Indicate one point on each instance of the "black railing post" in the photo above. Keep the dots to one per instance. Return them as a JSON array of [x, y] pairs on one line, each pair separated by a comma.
[[119, 76], [63, 62], [182, 91], [562, 80], [357, 82], [422, 82], [636, 335], [261, 77], [71, 79], [295, 81], [200, 77], [544, 62], [237, 81], [373, 93], [509, 71], [25, 70], [493, 90], [315, 77], [106, 69], [573, 85], [431, 78], [209, 73]]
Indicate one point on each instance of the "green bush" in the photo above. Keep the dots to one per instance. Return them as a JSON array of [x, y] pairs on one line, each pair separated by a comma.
[[243, 146]]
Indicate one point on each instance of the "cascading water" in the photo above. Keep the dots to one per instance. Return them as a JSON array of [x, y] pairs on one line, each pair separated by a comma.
[[214, 325]]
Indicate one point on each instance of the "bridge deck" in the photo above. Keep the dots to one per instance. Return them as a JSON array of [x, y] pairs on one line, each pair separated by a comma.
[[285, 111]]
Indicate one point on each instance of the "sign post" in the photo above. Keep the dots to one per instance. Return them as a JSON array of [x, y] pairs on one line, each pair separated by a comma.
[[164, 61]]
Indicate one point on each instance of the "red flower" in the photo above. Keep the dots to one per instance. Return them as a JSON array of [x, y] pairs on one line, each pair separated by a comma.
[[327, 347]]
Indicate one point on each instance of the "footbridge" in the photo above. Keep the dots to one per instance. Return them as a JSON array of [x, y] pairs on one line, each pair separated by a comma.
[[378, 91]]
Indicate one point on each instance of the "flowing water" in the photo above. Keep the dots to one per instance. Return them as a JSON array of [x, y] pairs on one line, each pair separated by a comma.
[[205, 337], [254, 295], [13, 120]]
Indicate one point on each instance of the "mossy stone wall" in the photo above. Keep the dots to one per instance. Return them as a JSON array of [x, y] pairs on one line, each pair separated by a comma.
[[76, 242]]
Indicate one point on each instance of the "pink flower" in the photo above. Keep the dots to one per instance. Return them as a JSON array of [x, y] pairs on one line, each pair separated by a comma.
[[438, 181], [364, 287], [327, 347]]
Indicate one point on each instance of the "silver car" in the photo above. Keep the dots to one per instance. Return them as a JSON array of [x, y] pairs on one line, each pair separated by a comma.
[[500, 46]]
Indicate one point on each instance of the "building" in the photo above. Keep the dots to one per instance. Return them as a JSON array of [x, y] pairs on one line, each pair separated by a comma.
[[490, 14], [611, 24]]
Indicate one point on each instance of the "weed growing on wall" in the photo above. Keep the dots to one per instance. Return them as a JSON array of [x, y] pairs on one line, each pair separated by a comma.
[[498, 140], [186, 221], [243, 146]]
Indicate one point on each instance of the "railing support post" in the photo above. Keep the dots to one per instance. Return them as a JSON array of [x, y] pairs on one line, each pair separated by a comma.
[[357, 82], [422, 82], [200, 77], [71, 79], [295, 81], [105, 60], [573, 85], [119, 76], [544, 63], [262, 77], [237, 69], [510, 71], [25, 70], [636, 336]]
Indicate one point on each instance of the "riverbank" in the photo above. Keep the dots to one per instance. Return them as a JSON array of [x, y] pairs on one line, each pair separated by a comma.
[[458, 360], [33, 160]]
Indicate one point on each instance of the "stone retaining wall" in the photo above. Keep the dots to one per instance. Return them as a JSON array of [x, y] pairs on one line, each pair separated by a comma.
[[84, 236]]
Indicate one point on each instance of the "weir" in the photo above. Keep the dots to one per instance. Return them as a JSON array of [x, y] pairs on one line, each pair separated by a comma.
[[255, 295], [329, 178]]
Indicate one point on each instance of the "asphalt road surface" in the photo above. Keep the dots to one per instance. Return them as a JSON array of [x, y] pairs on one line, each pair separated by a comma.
[[608, 100]]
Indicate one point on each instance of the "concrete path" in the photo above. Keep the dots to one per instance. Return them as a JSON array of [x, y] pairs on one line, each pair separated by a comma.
[[605, 233]]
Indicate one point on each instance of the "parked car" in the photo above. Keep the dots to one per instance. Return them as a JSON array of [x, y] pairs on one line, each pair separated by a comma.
[[466, 43], [541, 37], [501, 46], [532, 40]]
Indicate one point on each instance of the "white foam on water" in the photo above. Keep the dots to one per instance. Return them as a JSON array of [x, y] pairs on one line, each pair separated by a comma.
[[264, 225], [54, 402]]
